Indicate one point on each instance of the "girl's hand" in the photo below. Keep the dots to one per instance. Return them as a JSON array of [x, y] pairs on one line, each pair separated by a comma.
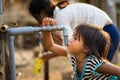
[[48, 21]]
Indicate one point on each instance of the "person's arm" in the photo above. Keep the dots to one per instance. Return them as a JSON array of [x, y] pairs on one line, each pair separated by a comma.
[[109, 68], [48, 40]]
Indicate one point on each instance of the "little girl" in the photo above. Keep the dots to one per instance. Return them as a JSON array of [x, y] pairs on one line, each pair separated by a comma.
[[89, 44]]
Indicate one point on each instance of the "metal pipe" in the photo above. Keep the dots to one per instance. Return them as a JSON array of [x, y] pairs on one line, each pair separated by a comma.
[[12, 60], [3, 28], [26, 30], [3, 53], [2, 49], [46, 68], [65, 34], [30, 29], [1, 9]]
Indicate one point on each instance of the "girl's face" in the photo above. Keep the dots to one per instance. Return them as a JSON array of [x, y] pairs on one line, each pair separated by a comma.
[[75, 45]]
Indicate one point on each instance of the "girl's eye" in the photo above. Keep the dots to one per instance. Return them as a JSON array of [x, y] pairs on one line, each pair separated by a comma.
[[75, 38]]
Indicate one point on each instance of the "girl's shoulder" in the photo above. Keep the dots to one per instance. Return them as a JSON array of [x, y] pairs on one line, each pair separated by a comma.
[[94, 59], [91, 66]]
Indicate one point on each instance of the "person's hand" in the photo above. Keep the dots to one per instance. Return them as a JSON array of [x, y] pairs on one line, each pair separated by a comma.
[[48, 21], [47, 56]]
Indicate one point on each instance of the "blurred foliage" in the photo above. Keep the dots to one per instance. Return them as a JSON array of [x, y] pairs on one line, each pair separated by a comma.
[[118, 64]]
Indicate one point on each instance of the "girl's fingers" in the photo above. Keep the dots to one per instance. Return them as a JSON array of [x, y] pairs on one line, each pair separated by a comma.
[[52, 23], [48, 21], [45, 22]]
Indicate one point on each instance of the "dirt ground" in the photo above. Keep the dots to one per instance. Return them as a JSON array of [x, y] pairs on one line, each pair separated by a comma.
[[59, 68]]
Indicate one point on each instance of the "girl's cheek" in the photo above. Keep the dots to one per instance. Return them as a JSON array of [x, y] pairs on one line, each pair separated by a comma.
[[69, 40], [69, 43]]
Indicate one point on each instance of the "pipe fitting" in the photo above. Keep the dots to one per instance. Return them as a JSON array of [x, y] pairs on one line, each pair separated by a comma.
[[4, 28]]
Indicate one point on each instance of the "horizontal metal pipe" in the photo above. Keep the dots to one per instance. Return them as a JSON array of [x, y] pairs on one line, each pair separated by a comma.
[[30, 29]]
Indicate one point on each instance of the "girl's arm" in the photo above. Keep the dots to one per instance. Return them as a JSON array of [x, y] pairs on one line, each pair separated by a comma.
[[48, 40], [109, 68]]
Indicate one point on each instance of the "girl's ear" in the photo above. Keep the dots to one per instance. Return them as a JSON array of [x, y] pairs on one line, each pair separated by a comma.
[[86, 50]]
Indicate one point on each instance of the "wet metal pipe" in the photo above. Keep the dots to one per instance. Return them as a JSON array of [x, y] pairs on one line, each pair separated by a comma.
[[26, 30], [65, 34]]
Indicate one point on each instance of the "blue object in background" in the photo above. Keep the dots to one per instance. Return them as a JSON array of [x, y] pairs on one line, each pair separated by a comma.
[[1, 11]]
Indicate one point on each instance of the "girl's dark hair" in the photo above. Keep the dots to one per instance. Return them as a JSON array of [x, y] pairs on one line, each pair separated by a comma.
[[38, 6], [95, 39]]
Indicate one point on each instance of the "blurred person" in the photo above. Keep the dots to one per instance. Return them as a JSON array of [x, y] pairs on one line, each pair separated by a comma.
[[90, 45], [70, 15]]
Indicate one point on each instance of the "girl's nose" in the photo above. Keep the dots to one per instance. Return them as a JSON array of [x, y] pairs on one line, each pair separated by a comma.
[[70, 39]]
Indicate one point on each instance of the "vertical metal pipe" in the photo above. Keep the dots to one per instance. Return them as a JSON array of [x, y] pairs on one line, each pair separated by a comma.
[[46, 69], [65, 34], [12, 60], [1, 9], [3, 53], [46, 65], [2, 49]]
